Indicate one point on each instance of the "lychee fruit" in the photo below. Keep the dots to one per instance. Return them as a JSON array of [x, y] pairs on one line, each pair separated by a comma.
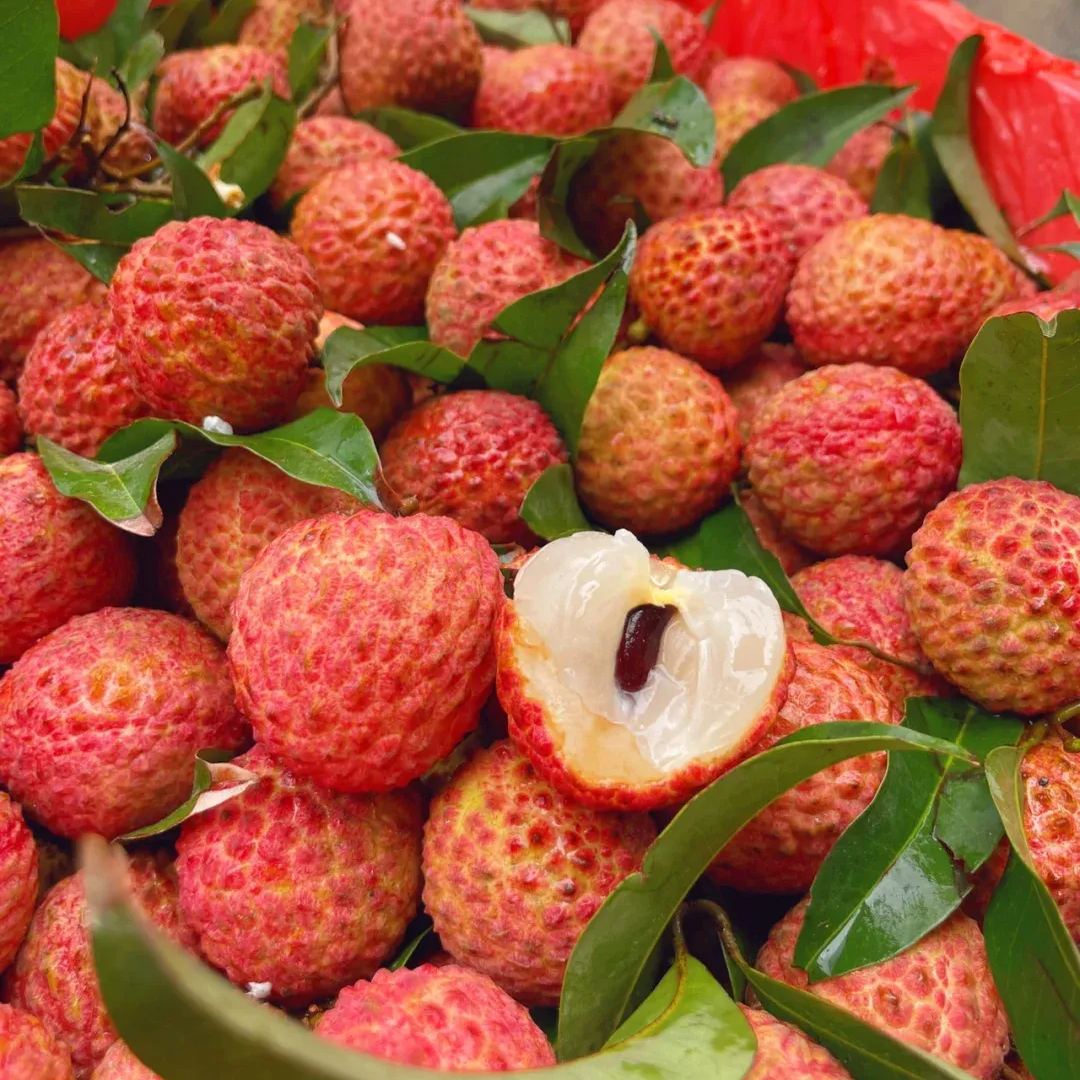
[[11, 436], [57, 557], [1045, 304], [938, 995], [710, 284], [374, 230], [756, 380], [18, 878], [362, 646], [333, 104], [485, 270], [544, 90], [108, 111], [447, 1018], [121, 1064], [785, 1053], [991, 591], [735, 114], [125, 695], [659, 444], [781, 849], [995, 278], [632, 683], [792, 556], [574, 11], [861, 158], [849, 459], [270, 24], [472, 456], [514, 870], [216, 318], [749, 75], [28, 1051]]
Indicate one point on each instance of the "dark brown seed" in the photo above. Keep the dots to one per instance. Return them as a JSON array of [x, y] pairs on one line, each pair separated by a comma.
[[640, 644]]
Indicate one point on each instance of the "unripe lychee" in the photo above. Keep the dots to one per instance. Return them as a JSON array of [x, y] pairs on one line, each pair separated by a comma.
[[362, 646], [784, 1052], [18, 878], [121, 1064], [781, 849], [992, 592], [735, 114], [374, 231], [710, 284], [792, 556], [11, 436], [28, 1051], [270, 24], [216, 318], [513, 870], [938, 995], [447, 1018], [472, 456], [749, 75], [860, 159], [849, 459], [57, 557], [485, 270], [659, 446], [544, 90], [756, 380]]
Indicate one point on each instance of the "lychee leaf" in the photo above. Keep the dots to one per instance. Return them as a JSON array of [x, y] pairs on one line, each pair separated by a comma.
[[903, 185], [181, 22], [32, 162], [224, 27], [28, 41], [409, 950], [515, 29], [307, 51], [551, 508], [193, 191], [407, 128], [113, 219], [662, 67], [142, 60]]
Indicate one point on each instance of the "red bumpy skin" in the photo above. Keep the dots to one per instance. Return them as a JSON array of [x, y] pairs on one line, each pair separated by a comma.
[[1046, 305], [362, 646], [374, 231], [18, 879], [216, 318], [993, 592], [754, 382], [299, 887], [861, 158], [270, 24], [513, 870], [121, 1064], [447, 1018], [938, 995], [782, 848], [749, 75], [485, 270], [28, 1051], [472, 456], [850, 458], [659, 445], [735, 114], [785, 1053], [57, 557], [420, 54], [710, 284], [995, 278], [75, 388], [125, 695], [11, 436], [241, 503]]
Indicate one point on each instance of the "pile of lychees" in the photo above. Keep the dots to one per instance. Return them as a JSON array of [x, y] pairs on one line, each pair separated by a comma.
[[779, 337]]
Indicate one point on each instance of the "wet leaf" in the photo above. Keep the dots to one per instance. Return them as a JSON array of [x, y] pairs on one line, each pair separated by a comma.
[[28, 41], [551, 508]]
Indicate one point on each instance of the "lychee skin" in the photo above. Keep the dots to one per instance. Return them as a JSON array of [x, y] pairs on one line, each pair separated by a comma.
[[749, 75], [75, 388], [785, 1053], [374, 231], [216, 318], [57, 557], [28, 1051], [782, 848], [107, 113], [849, 459], [1003, 624], [299, 887], [756, 380], [938, 995], [544, 90], [793, 557], [711, 283], [486, 269], [270, 24], [735, 114], [18, 878], [659, 444], [472, 456], [995, 278], [574, 11], [513, 870], [860, 159], [447, 1018], [362, 646], [11, 436], [1045, 305], [121, 1064]]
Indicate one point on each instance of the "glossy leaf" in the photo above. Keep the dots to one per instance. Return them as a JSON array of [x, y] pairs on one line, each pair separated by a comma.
[[307, 52], [225, 26], [1019, 400], [407, 128], [514, 29], [115, 220], [28, 40], [193, 191], [551, 508]]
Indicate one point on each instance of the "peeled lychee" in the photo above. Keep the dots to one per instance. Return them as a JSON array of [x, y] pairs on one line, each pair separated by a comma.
[[514, 870], [28, 1051], [735, 114], [18, 878], [756, 380], [785, 1053], [362, 646], [11, 436], [938, 995], [659, 445], [631, 683], [749, 75], [860, 159], [991, 590], [121, 1064], [447, 1018], [849, 459], [270, 24]]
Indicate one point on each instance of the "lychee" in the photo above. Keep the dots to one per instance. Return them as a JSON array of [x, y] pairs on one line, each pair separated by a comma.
[[735, 114], [18, 878], [861, 158], [574, 11], [159, 583], [108, 111], [11, 436], [28, 1051], [792, 556], [749, 75], [270, 24], [756, 380], [995, 279], [1045, 305], [785, 1053], [514, 870], [121, 1064]]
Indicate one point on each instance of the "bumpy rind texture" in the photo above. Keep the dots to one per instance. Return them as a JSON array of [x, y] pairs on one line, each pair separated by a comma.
[[125, 695], [374, 231], [993, 593], [782, 848], [11, 435], [659, 444], [446, 1017], [57, 557], [513, 870], [485, 270], [238, 506], [18, 878], [472, 456], [938, 995], [28, 1051], [785, 1053], [850, 458], [216, 318], [1046, 305], [749, 75], [735, 114], [121, 1064], [299, 887], [995, 279], [710, 284], [362, 646], [860, 159], [270, 24], [792, 556], [756, 380]]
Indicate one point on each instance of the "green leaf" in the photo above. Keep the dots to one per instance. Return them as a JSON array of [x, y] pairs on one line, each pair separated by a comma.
[[556, 223], [409, 951], [515, 29], [307, 51], [903, 186], [806, 83], [407, 128], [678, 110], [28, 40], [100, 259], [551, 508], [1019, 399], [611, 953], [31, 165], [225, 26], [109, 47], [894, 875], [193, 191], [1067, 203], [142, 60], [115, 220], [811, 130], [662, 67], [181, 22]]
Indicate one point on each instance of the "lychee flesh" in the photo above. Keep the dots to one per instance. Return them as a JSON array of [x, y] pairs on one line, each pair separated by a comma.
[[18, 878], [749, 75], [785, 1053], [28, 1051], [11, 436]]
